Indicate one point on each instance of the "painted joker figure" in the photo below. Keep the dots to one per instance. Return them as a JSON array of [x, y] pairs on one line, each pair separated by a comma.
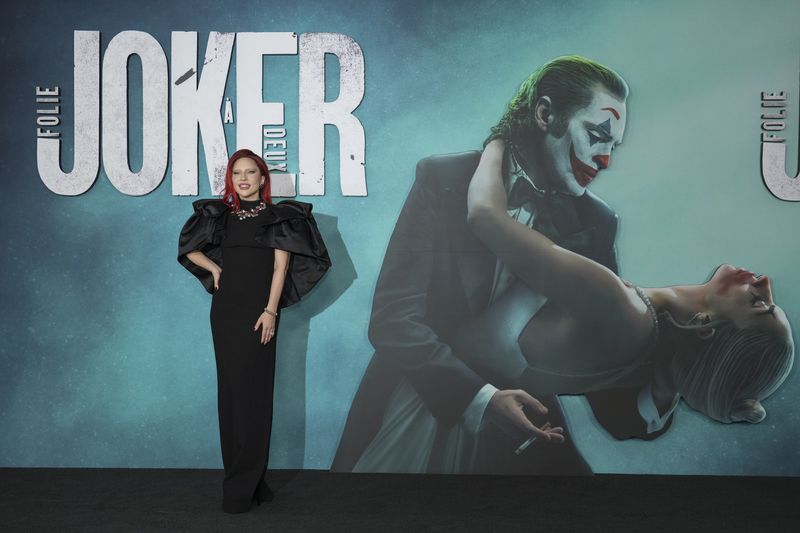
[[426, 405]]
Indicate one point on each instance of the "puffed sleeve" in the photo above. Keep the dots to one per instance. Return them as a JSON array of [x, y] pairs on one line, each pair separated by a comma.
[[203, 232], [291, 227]]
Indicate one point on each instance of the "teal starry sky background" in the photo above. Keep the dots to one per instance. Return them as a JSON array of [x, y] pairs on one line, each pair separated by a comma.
[[105, 347]]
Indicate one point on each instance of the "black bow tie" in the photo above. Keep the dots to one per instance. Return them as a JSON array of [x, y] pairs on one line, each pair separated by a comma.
[[555, 214], [523, 192]]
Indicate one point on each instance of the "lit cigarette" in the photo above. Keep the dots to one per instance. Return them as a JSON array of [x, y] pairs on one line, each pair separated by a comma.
[[524, 445]]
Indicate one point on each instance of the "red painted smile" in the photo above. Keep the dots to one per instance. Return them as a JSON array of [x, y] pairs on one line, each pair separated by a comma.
[[584, 174]]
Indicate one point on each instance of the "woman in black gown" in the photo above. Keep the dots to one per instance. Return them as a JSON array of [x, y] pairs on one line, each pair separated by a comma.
[[272, 255]]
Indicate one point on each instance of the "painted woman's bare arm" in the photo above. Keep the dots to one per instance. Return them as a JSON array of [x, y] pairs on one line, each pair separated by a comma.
[[585, 288]]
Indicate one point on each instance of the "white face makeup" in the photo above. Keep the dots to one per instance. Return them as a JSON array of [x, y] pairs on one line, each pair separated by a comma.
[[585, 149], [247, 179]]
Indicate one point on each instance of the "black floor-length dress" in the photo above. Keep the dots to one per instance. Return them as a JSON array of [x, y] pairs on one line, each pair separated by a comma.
[[246, 368]]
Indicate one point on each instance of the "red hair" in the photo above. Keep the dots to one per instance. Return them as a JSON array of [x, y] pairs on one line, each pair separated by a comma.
[[229, 195]]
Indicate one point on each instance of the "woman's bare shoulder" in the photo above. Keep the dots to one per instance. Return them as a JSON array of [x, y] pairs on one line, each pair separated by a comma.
[[629, 320]]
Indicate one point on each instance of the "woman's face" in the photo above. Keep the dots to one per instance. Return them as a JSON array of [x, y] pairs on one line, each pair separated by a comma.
[[247, 179], [738, 295]]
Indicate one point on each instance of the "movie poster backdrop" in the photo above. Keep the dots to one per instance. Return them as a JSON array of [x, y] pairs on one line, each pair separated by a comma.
[[117, 119]]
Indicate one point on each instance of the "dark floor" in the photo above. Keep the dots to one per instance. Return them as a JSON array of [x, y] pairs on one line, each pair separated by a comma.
[[45, 499]]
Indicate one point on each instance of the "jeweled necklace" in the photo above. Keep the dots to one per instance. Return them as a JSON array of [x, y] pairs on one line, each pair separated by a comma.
[[250, 213]]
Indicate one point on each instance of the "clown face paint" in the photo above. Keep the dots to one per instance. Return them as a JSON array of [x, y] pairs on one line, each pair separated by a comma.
[[585, 148]]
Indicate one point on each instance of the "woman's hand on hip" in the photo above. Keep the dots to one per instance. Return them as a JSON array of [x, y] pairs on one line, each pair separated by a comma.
[[216, 273], [267, 324]]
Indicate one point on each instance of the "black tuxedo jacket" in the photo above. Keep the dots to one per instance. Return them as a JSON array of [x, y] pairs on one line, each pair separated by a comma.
[[436, 274]]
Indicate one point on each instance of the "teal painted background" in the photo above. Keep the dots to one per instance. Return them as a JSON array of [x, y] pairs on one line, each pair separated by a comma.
[[105, 345]]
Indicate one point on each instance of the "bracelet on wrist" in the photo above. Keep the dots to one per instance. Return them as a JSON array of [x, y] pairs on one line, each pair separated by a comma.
[[271, 313]]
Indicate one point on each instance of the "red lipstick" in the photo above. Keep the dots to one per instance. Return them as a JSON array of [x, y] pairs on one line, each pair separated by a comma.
[[584, 174]]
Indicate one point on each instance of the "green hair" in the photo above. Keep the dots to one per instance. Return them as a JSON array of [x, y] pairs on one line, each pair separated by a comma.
[[568, 81]]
